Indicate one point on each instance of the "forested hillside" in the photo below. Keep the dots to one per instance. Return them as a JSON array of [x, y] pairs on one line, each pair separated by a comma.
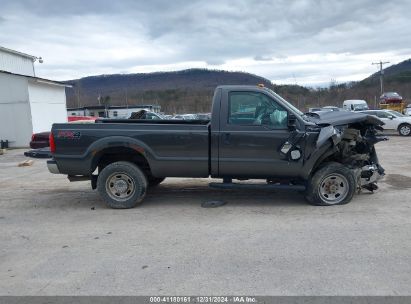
[[191, 90]]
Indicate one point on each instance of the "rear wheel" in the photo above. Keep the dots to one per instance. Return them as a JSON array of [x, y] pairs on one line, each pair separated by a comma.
[[332, 184], [122, 185], [404, 129]]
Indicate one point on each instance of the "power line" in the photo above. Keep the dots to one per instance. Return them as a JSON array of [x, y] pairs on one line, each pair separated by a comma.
[[381, 74]]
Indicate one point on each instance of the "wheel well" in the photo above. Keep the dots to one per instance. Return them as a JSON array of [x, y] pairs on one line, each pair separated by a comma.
[[329, 156], [114, 154], [403, 124]]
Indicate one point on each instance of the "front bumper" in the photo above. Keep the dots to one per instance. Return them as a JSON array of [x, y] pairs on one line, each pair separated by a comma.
[[52, 166]]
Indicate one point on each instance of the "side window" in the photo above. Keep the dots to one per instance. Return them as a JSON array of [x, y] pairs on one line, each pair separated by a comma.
[[115, 113], [251, 108], [381, 114]]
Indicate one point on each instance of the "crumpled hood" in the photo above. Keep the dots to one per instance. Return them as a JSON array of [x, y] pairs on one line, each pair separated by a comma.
[[338, 118]]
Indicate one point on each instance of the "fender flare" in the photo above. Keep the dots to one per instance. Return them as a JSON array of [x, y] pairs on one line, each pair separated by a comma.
[[326, 150], [94, 151]]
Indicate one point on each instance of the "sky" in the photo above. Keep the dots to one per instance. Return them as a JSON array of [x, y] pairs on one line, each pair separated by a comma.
[[304, 42]]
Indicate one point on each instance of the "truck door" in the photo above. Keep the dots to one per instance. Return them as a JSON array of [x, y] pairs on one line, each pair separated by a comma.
[[253, 128]]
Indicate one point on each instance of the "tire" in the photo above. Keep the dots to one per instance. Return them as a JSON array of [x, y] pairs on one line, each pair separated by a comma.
[[332, 184], [404, 129], [122, 185], [155, 181]]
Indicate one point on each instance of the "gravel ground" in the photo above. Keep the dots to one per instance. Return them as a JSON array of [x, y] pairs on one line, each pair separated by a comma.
[[58, 238]]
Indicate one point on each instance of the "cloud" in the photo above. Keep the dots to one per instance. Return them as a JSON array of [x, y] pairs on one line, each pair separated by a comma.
[[305, 40], [262, 58]]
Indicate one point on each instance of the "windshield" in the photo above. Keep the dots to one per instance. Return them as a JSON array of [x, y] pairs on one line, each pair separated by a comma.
[[395, 113], [360, 107], [286, 102]]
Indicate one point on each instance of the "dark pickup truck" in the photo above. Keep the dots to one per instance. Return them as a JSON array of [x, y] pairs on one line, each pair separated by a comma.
[[253, 134]]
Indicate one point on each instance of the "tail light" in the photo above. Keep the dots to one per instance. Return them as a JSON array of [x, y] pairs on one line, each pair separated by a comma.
[[33, 137], [52, 143]]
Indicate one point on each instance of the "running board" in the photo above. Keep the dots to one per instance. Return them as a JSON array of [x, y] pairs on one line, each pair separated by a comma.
[[257, 186]]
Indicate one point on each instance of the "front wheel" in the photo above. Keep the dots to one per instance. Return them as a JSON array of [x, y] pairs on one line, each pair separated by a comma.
[[122, 185], [332, 184], [404, 130]]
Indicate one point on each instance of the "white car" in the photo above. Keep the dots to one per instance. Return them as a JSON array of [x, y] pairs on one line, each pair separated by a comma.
[[185, 117], [355, 105], [393, 120], [407, 111]]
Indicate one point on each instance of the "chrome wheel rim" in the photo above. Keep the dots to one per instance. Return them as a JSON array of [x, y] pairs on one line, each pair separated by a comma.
[[333, 188], [120, 186], [405, 130]]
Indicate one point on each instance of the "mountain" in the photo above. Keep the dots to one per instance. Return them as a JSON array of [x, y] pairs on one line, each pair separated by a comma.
[[182, 91], [397, 78], [395, 70], [191, 91]]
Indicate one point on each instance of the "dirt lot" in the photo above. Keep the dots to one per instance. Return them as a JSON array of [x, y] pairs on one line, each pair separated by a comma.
[[59, 238]]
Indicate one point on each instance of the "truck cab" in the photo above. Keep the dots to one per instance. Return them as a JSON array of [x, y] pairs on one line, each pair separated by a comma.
[[249, 125]]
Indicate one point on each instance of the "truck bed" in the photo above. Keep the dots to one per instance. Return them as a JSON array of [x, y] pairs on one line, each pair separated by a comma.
[[173, 148]]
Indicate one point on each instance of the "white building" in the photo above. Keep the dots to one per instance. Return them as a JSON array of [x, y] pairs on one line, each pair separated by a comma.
[[112, 111], [28, 104]]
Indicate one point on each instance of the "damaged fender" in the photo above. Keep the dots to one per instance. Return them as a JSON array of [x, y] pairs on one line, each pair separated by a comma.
[[351, 136]]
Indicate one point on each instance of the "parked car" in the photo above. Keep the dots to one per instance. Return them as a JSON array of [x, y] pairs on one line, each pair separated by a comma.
[[326, 156], [189, 116], [390, 97], [393, 120], [39, 153], [80, 118], [203, 116], [178, 117], [310, 110], [40, 140], [330, 108], [185, 117], [355, 105], [392, 101], [144, 114], [407, 110]]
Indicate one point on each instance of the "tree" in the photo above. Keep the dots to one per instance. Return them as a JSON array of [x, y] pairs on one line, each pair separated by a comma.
[[105, 101]]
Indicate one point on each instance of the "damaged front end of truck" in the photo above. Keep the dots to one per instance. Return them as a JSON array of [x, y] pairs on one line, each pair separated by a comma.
[[351, 137]]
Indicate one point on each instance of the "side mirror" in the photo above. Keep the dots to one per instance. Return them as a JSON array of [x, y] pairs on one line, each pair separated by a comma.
[[391, 117], [291, 121]]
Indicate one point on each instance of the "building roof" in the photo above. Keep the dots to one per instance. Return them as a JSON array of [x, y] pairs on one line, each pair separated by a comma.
[[17, 53], [38, 79]]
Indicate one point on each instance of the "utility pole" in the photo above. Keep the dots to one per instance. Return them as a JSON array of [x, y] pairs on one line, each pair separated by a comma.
[[126, 97], [381, 74]]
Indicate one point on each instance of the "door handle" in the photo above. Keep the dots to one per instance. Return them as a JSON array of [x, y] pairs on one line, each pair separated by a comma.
[[226, 138]]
